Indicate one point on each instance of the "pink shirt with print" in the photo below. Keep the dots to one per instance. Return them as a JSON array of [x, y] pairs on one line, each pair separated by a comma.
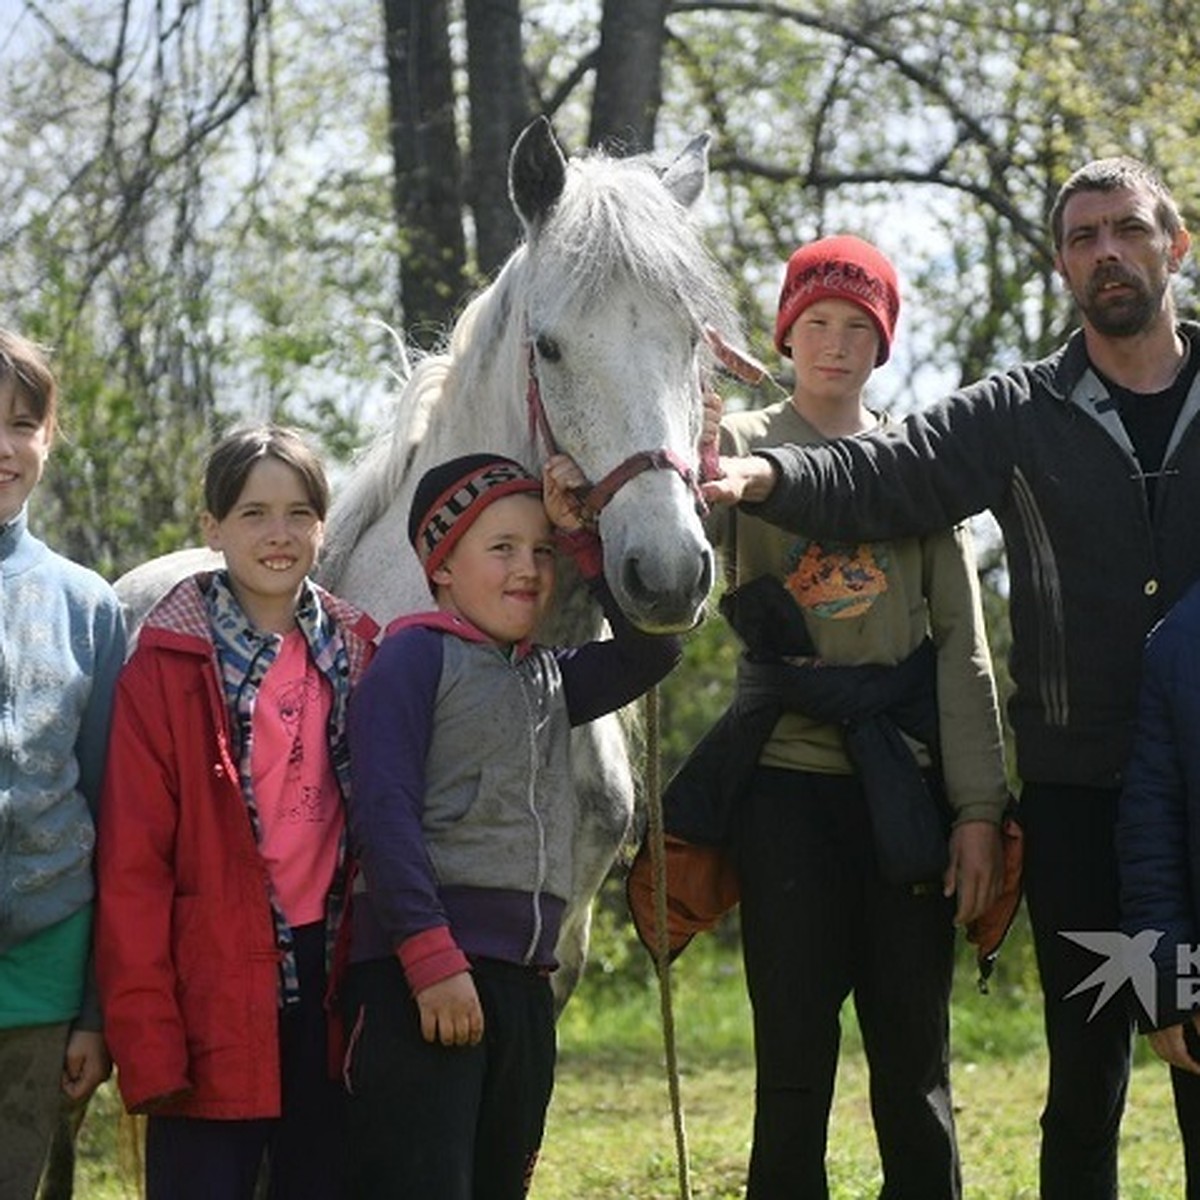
[[299, 807]]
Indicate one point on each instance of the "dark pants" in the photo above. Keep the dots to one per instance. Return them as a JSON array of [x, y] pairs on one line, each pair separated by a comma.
[[818, 923], [1186, 1087], [304, 1149], [451, 1122], [1071, 885]]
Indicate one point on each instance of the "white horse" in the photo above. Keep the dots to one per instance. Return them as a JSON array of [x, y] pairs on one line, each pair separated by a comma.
[[590, 341]]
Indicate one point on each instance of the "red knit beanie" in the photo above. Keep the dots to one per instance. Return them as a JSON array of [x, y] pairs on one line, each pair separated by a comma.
[[840, 268]]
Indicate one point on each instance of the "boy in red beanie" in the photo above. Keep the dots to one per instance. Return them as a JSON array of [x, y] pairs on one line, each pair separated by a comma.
[[840, 268], [824, 914]]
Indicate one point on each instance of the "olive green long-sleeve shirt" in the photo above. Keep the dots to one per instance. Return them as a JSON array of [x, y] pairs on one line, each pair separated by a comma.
[[874, 602]]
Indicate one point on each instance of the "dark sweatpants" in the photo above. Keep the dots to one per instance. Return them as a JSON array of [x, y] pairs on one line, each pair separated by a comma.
[[1186, 1088], [191, 1159], [818, 923], [1071, 885], [451, 1122]]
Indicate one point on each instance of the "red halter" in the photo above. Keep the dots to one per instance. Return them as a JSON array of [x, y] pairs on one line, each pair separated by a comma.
[[594, 497]]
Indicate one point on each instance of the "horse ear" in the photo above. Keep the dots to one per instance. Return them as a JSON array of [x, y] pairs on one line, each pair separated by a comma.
[[687, 177], [537, 172]]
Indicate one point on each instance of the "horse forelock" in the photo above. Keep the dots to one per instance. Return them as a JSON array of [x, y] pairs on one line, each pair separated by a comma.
[[616, 219]]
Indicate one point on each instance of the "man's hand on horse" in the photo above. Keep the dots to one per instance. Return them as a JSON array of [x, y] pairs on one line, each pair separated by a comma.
[[709, 446], [745, 478]]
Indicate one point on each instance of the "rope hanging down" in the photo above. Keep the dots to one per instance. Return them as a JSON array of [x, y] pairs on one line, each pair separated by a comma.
[[658, 860]]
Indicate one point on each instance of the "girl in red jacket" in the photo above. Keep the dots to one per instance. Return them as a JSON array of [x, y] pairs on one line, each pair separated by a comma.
[[222, 861]]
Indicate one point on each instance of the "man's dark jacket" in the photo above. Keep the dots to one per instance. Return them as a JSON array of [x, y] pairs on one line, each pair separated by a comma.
[[1091, 569]]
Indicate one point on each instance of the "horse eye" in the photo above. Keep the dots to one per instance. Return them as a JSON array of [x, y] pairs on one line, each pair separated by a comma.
[[548, 348]]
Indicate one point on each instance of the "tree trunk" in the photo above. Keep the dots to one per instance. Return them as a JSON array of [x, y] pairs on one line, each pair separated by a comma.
[[427, 195], [629, 75], [500, 109]]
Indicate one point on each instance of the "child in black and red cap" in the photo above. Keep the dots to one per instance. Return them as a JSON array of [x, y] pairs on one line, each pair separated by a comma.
[[464, 817]]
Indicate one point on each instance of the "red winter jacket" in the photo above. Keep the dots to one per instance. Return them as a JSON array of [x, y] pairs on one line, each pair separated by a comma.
[[185, 943]]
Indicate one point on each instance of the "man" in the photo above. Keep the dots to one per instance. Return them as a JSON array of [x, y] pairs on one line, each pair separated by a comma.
[[1090, 461]]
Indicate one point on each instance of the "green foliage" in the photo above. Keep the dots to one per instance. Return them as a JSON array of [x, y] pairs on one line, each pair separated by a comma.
[[122, 484], [197, 207], [196, 259]]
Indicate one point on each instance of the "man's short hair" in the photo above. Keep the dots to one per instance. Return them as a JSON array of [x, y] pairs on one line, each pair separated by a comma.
[[1114, 175]]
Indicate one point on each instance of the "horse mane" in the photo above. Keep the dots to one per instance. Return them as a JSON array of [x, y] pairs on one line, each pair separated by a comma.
[[379, 468], [614, 217], [379, 472]]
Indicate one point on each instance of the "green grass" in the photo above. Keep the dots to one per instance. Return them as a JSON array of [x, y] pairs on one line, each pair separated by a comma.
[[610, 1134]]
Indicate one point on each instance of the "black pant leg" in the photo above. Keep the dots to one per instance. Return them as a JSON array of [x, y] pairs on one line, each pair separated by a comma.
[[518, 1007], [817, 922], [902, 984], [412, 1106], [192, 1158], [1186, 1089], [307, 1150], [452, 1122], [1071, 885]]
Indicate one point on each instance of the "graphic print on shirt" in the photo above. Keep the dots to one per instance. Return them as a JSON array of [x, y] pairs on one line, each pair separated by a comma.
[[298, 802], [837, 580]]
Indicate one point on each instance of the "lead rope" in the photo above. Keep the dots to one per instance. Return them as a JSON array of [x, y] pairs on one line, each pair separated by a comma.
[[658, 863]]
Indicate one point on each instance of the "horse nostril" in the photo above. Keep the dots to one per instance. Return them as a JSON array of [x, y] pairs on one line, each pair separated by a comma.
[[652, 595], [631, 578]]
